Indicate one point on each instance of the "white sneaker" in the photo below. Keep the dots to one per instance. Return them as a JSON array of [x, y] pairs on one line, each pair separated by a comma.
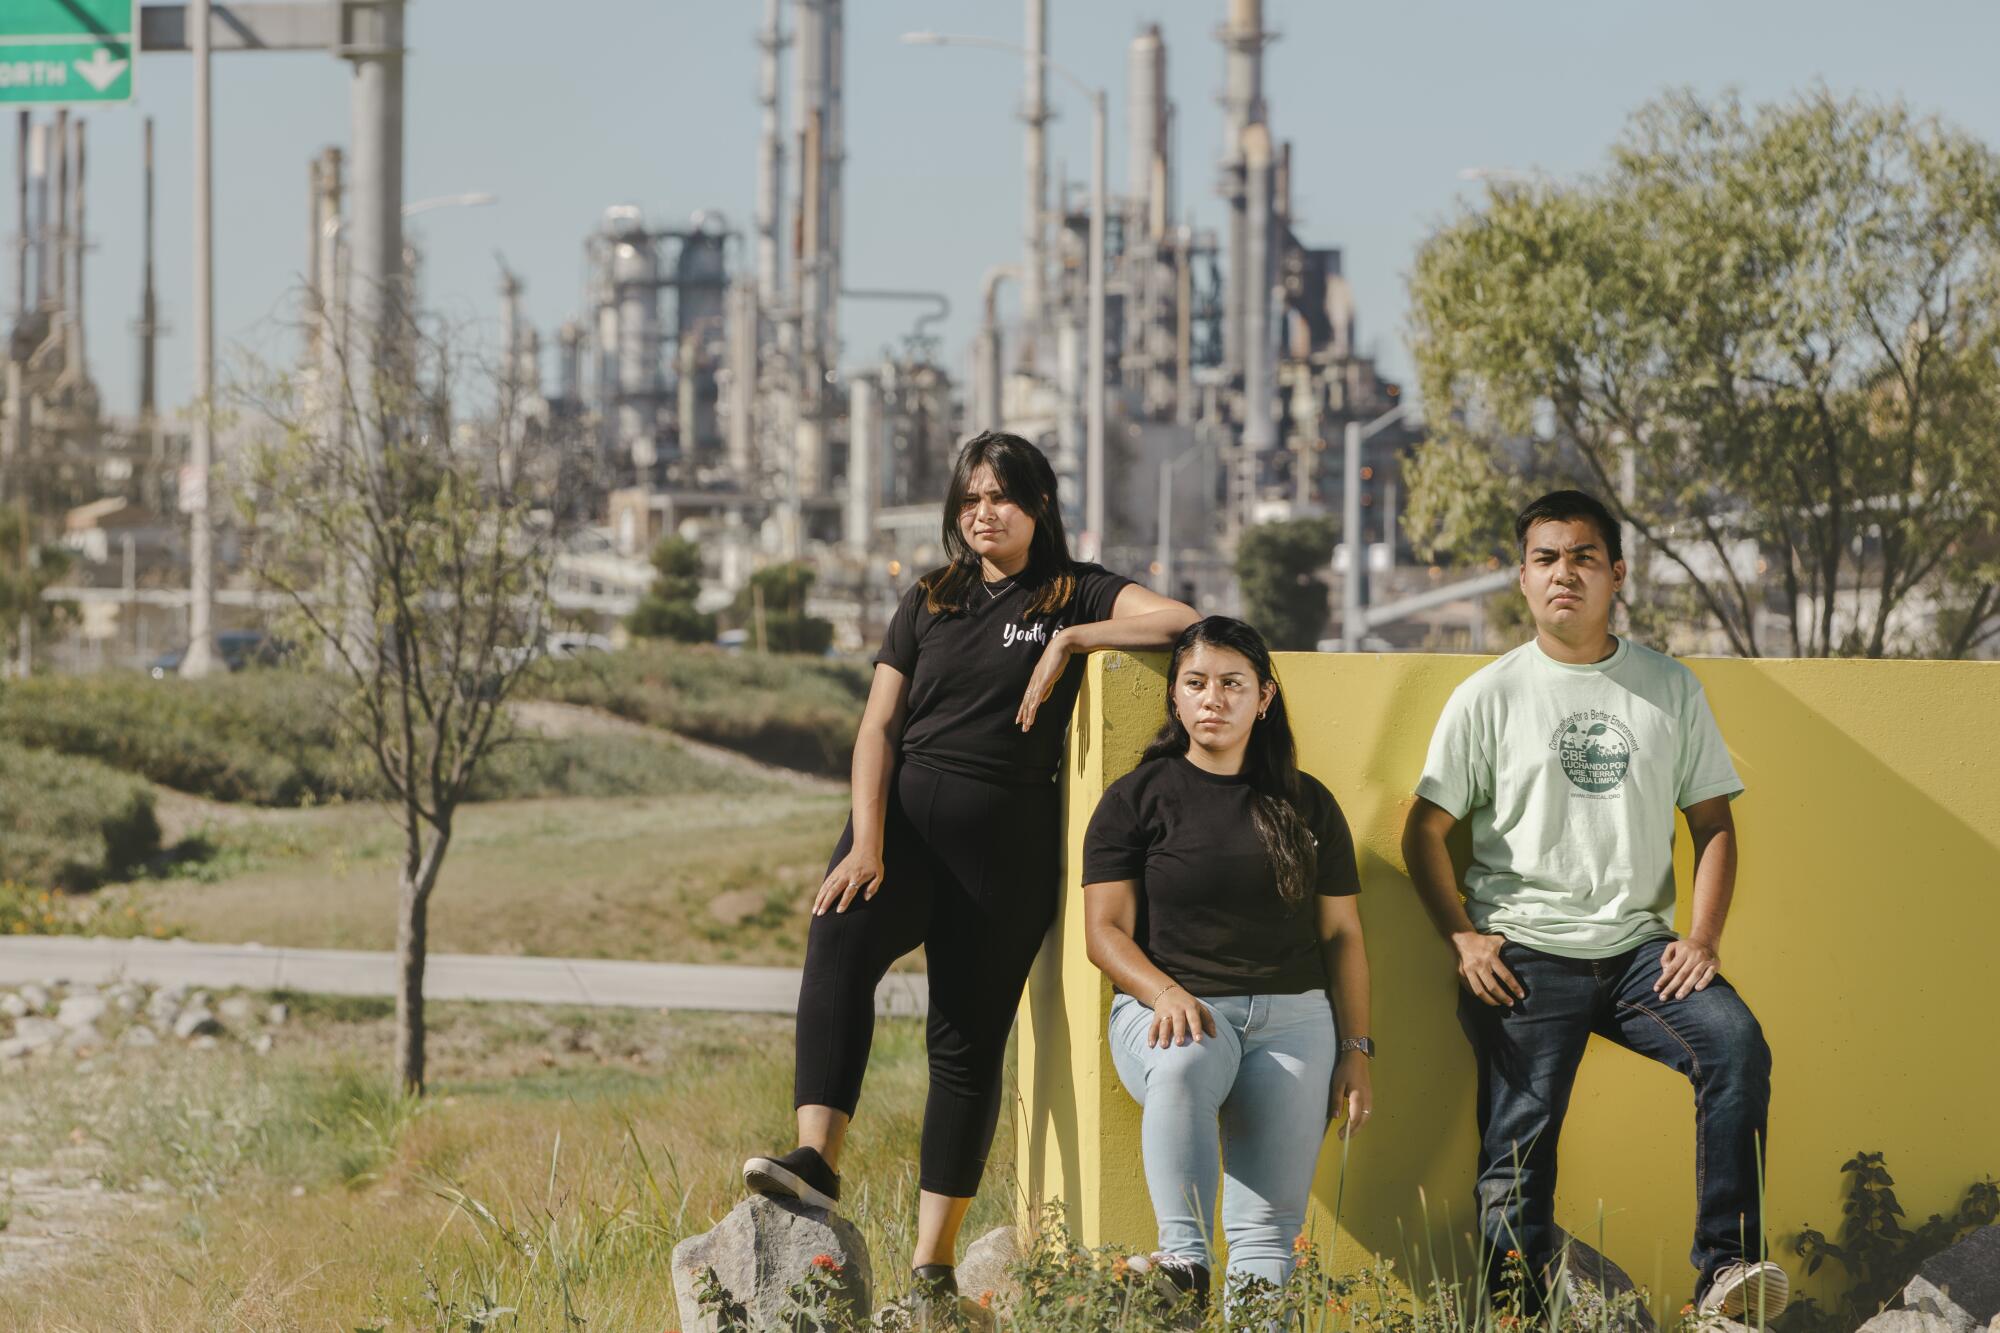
[[1759, 1291]]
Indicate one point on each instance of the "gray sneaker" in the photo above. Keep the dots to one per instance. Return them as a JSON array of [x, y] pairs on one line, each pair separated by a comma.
[[1758, 1292]]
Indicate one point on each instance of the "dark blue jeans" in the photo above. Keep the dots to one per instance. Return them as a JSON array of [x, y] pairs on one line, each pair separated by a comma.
[[1528, 1056]]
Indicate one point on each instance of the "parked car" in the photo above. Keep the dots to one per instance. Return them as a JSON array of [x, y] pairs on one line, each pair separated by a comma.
[[234, 648]]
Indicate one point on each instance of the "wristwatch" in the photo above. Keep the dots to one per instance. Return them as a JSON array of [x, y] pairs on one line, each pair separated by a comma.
[[1365, 1045]]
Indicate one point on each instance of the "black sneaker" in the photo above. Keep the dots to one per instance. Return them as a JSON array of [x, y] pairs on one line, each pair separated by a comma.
[[933, 1298], [800, 1174], [1181, 1285]]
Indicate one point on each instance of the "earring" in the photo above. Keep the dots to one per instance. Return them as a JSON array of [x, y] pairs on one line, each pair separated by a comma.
[[1260, 715]]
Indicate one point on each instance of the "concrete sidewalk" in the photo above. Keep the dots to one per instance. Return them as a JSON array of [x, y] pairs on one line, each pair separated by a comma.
[[589, 981]]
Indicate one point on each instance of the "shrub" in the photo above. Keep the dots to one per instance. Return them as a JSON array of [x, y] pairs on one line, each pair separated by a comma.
[[265, 737], [796, 711], [71, 823]]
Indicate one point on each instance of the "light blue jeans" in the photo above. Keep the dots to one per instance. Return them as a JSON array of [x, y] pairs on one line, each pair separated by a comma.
[[1248, 1104]]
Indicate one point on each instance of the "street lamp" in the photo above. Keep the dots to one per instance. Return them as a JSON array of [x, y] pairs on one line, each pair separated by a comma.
[[1353, 607], [1092, 544]]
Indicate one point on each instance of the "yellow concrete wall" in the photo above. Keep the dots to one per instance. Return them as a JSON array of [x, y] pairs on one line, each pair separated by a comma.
[[1865, 935]]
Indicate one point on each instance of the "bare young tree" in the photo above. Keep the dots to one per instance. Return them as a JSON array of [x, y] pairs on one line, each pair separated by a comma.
[[417, 562]]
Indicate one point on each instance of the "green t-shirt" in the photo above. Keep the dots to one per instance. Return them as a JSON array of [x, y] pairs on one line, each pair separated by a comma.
[[1571, 776]]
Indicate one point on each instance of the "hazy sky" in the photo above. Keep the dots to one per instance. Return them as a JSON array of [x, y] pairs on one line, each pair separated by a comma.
[[561, 109]]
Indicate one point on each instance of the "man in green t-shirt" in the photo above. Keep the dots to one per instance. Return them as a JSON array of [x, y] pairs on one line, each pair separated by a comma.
[[1569, 756]]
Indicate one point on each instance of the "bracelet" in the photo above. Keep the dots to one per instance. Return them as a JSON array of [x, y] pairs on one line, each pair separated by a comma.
[[1155, 1001]]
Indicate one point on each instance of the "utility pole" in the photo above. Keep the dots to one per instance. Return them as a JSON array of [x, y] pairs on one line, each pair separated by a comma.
[[375, 232], [201, 445]]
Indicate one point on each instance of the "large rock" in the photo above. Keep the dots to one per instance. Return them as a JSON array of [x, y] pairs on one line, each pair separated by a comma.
[[758, 1252], [1961, 1285], [237, 1011], [1593, 1284], [1907, 1321], [984, 1267], [194, 1022], [36, 997], [32, 1034], [13, 1006], [82, 1011]]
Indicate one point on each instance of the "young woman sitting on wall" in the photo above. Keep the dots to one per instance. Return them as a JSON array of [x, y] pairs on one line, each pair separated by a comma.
[[1219, 897]]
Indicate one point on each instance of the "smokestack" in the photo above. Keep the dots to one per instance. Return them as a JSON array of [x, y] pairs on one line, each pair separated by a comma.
[[510, 338], [569, 362], [864, 448], [740, 356], [833, 147], [770, 161], [38, 178], [315, 168], [1282, 188], [1259, 386], [59, 149], [77, 362], [1146, 125], [1035, 113], [149, 311], [1243, 42], [986, 347], [23, 131]]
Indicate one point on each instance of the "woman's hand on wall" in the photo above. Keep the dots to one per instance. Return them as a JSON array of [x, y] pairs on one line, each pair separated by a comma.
[[1353, 1093]]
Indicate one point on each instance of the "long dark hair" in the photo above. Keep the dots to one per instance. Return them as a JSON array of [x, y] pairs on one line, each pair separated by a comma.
[[1027, 480], [1270, 764]]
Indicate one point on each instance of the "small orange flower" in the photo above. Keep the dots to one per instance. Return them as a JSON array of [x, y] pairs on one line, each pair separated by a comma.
[[1119, 1268], [827, 1262], [1513, 1254], [986, 1299], [1300, 1244]]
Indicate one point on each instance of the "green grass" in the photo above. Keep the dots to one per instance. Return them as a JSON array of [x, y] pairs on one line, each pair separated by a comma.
[[703, 877], [69, 822], [296, 1192], [799, 712]]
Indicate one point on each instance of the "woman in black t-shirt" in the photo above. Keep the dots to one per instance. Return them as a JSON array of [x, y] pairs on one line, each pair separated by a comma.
[[1219, 887], [954, 840]]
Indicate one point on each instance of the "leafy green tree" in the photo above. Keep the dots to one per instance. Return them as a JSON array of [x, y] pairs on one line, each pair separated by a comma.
[[27, 569], [1279, 568], [668, 609], [774, 608], [1769, 339]]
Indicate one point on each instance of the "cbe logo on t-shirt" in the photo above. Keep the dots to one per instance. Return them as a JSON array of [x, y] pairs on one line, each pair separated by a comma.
[[1014, 634], [1595, 750]]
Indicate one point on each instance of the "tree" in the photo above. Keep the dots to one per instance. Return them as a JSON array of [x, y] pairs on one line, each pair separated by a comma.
[[774, 607], [668, 609], [1771, 342], [1278, 567], [410, 555], [27, 569]]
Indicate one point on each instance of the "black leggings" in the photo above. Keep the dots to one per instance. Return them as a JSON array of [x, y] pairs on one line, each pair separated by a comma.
[[970, 872]]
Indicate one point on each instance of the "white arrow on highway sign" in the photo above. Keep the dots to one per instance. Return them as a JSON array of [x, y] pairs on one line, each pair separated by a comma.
[[100, 70]]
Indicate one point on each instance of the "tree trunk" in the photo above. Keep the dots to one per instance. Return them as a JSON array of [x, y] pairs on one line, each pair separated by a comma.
[[420, 868]]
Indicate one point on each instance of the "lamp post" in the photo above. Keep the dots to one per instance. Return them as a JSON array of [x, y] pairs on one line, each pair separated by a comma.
[[1092, 545]]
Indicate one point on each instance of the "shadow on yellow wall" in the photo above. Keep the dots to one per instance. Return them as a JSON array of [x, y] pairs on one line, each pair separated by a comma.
[[1863, 935]]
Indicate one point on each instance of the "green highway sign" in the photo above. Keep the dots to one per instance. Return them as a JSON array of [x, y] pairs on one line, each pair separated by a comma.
[[67, 50]]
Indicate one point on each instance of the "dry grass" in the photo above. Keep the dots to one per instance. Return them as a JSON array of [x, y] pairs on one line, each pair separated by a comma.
[[559, 1159], [694, 878]]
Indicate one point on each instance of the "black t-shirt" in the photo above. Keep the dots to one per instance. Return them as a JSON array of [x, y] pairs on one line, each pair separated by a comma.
[[967, 671], [1210, 915]]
